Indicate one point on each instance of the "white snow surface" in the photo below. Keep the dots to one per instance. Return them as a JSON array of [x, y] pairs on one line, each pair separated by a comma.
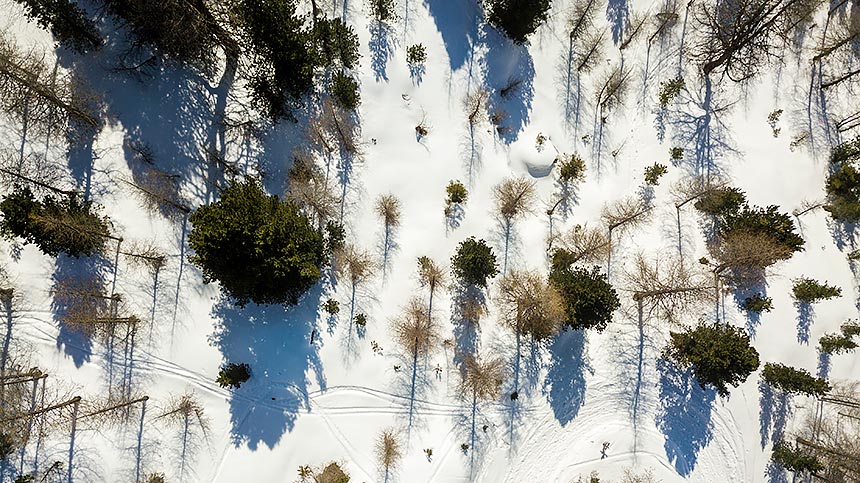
[[308, 404]]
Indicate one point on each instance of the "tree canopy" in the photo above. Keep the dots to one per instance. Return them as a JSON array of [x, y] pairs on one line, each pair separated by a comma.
[[589, 299], [474, 262], [258, 247], [719, 355], [517, 18]]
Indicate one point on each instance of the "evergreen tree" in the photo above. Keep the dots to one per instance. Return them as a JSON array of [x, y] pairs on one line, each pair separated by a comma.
[[474, 262], [66, 21], [55, 224], [793, 381], [720, 355], [259, 248], [517, 18], [589, 299]]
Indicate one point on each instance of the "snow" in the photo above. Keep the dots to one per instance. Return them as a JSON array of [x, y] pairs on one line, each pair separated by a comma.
[[308, 404]]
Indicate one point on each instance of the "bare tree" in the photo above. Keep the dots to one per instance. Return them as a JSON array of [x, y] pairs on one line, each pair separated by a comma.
[[388, 450], [741, 37], [623, 214], [417, 334], [388, 208], [635, 26], [532, 308], [187, 413], [688, 189], [582, 244], [158, 190], [308, 187], [432, 276], [357, 266], [667, 288], [514, 198], [481, 381]]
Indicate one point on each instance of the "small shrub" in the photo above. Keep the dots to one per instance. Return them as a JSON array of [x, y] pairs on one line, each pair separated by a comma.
[[669, 90], [474, 262], [232, 375], [676, 154], [851, 329], [332, 473], [773, 120], [540, 142], [793, 381], [810, 291], [331, 307], [457, 192], [571, 167], [344, 90], [416, 55], [28, 479], [654, 172], [794, 459], [843, 193], [360, 320], [758, 303], [421, 130]]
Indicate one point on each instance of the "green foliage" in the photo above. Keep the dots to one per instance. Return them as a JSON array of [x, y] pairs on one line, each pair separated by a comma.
[[843, 193], [256, 246], [416, 55], [474, 262], [382, 10], [669, 90], [589, 299], [810, 291], [344, 89], [758, 303], [232, 375], [793, 381], [849, 151], [654, 172], [571, 167], [719, 355], [517, 18], [794, 459], [764, 221], [54, 224], [288, 50], [331, 307], [721, 201], [676, 154], [842, 342], [457, 192], [360, 320], [25, 479], [66, 21], [335, 236]]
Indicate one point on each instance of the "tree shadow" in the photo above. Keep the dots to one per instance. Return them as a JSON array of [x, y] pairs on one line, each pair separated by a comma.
[[774, 412], [74, 342], [823, 369], [466, 331], [757, 287], [775, 473], [685, 415], [458, 22], [509, 69], [618, 16], [381, 49], [454, 215], [565, 381], [274, 341], [805, 315]]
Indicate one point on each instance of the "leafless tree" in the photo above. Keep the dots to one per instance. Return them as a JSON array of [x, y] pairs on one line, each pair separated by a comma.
[[623, 214], [481, 381], [475, 106], [417, 334], [532, 308], [357, 266], [514, 199], [388, 208], [158, 190], [430, 275], [635, 26], [582, 244], [688, 189], [740, 37], [388, 450], [667, 288], [186, 412], [308, 187], [610, 91]]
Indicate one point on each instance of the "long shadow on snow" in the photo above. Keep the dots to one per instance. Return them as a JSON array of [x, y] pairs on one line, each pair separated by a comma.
[[618, 16], [381, 49], [509, 71], [565, 380], [805, 316], [774, 411], [73, 342], [457, 21], [685, 415], [275, 342]]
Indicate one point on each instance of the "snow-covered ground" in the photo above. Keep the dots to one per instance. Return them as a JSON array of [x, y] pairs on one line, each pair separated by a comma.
[[310, 403]]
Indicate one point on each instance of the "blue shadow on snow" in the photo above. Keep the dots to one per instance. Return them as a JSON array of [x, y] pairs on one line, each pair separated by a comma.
[[565, 380]]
